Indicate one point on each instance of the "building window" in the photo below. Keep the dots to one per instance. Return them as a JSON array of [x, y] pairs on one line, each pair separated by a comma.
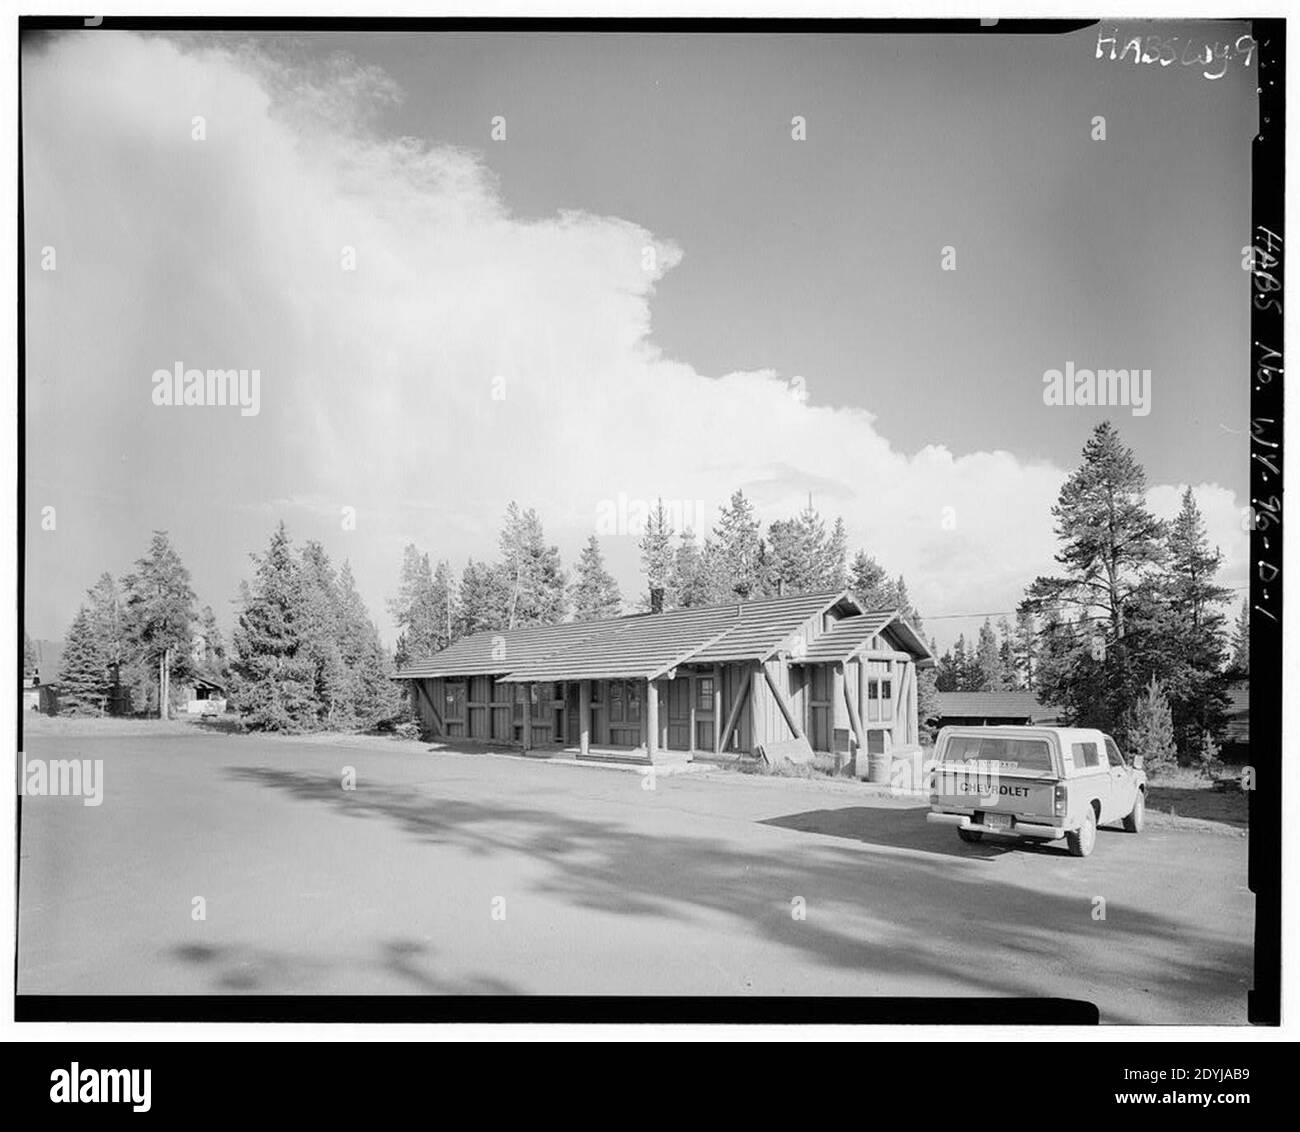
[[873, 701], [616, 701], [886, 700], [633, 701], [455, 701], [704, 693]]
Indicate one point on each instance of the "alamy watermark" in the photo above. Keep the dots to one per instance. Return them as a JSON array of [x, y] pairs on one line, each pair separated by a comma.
[[1104, 388], [181, 386], [63, 778]]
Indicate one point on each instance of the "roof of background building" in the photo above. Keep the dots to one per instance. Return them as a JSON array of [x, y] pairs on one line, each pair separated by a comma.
[[640, 645], [993, 705]]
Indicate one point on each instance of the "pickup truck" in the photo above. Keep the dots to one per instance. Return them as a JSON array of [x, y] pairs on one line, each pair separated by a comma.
[[1036, 783]]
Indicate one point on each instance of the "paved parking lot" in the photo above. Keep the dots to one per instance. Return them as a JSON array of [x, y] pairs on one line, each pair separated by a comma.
[[456, 872]]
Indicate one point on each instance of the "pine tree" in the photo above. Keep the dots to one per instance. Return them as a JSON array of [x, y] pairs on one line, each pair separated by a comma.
[[29, 655], [318, 634], [868, 583], [1188, 628], [420, 608], [481, 600], [834, 569], [1151, 729], [84, 680], [656, 547], [1110, 547], [1025, 648], [961, 667], [594, 595], [1239, 665], [371, 696], [740, 549], [1007, 656], [535, 579], [802, 558], [108, 621], [691, 583], [987, 669], [159, 615], [213, 661], [275, 678], [442, 607]]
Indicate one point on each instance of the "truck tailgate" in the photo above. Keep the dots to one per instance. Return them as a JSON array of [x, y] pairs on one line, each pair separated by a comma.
[[1030, 796]]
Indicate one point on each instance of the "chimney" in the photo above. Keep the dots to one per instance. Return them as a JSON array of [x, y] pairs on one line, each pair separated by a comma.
[[656, 599]]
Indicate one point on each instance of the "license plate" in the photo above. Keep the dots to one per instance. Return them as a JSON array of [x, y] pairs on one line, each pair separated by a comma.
[[997, 821]]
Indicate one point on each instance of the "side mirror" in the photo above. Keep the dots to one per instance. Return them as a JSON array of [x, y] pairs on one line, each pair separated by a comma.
[[1137, 762]]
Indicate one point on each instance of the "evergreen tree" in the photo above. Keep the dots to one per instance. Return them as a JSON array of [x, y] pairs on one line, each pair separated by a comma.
[[1025, 648], [442, 606], [534, 576], [834, 569], [85, 683], [789, 568], [657, 559], [740, 549], [868, 583], [987, 673], [159, 615], [29, 655], [1110, 545], [1007, 656], [481, 600], [370, 696], [802, 558], [1239, 664], [1151, 728], [213, 660], [1188, 629], [317, 630], [691, 583], [420, 608], [594, 595], [274, 674]]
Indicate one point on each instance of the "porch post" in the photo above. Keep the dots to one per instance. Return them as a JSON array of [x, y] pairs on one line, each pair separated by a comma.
[[584, 716], [717, 709], [651, 719], [913, 723], [528, 716]]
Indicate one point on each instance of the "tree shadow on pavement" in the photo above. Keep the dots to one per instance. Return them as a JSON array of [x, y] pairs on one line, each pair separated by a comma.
[[920, 923], [244, 969]]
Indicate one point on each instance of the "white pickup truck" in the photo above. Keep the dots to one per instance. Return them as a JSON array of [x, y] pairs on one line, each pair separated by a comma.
[[1037, 783]]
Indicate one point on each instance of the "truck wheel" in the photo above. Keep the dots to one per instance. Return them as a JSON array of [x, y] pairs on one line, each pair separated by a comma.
[[970, 835], [1081, 840], [1133, 823]]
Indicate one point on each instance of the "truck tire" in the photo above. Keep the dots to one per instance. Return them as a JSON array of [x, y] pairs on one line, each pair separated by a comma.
[[970, 836], [1082, 840], [1133, 823]]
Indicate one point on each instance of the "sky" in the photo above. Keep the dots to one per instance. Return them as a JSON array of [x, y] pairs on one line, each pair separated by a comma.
[[643, 287]]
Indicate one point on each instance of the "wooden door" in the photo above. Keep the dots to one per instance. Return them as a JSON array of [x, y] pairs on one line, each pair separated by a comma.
[[678, 715]]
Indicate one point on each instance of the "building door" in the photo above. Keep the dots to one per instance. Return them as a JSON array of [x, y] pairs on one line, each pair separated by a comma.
[[821, 710], [572, 712], [678, 714]]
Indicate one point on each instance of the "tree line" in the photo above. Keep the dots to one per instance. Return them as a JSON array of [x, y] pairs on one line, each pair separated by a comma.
[[306, 654]]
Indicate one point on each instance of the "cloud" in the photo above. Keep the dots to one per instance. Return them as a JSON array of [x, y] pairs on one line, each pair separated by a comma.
[[470, 358]]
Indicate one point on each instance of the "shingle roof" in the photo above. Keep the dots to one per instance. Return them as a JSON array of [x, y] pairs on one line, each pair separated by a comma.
[[763, 626], [993, 705], [640, 645], [846, 636]]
